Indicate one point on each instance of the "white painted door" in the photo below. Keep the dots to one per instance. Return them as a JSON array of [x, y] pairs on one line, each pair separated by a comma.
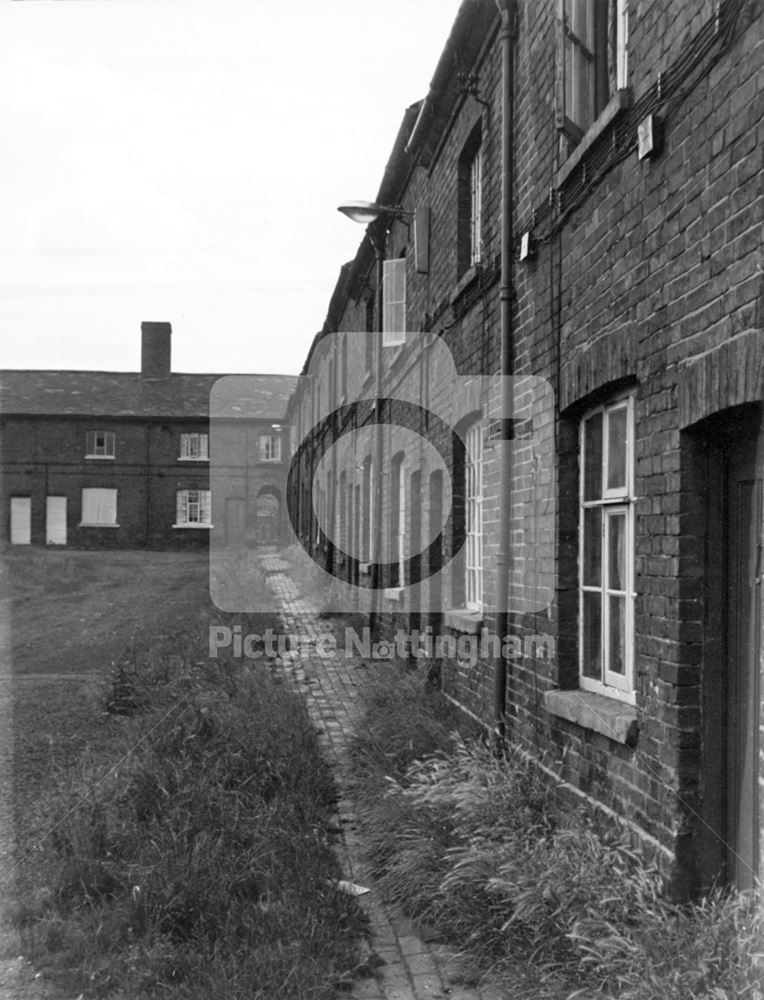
[[55, 521], [21, 520]]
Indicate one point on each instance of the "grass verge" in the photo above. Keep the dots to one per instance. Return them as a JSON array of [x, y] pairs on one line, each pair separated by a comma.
[[187, 853], [483, 850]]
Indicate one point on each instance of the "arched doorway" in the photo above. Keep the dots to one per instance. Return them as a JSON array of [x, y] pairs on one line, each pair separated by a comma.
[[267, 517], [725, 464]]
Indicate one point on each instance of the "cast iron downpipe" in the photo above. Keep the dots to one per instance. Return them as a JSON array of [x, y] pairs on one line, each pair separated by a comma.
[[507, 36], [378, 237]]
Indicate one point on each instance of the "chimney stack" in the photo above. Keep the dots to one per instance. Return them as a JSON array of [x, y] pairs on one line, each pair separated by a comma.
[[155, 350]]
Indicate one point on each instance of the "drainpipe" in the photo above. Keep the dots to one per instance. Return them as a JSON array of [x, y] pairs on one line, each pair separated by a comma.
[[507, 36], [378, 237]]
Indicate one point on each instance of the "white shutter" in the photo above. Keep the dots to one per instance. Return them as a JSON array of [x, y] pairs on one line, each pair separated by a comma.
[[181, 510], [394, 302]]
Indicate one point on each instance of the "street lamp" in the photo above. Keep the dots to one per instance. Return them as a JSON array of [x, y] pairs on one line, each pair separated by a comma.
[[377, 218], [366, 212]]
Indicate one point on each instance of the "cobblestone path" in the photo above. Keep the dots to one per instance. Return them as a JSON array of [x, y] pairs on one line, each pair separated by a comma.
[[407, 964]]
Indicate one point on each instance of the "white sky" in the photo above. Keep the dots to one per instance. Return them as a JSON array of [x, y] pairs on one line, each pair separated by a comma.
[[182, 161]]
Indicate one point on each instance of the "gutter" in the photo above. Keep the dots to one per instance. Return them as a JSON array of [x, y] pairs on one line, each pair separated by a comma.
[[472, 22]]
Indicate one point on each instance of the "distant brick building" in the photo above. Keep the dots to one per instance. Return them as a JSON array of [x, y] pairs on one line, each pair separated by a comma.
[[628, 257], [121, 460]]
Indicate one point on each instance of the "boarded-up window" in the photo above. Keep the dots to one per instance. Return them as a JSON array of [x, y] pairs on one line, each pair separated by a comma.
[[99, 507]]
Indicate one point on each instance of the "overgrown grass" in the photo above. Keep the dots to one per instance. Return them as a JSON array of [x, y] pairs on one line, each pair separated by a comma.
[[482, 849], [189, 856]]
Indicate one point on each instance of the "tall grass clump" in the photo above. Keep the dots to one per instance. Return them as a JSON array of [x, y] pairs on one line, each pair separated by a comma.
[[191, 859], [484, 849]]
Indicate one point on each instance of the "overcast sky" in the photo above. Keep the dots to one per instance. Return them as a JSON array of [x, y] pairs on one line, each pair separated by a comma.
[[182, 161]]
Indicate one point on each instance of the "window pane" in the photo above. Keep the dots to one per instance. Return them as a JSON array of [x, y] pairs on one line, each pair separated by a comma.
[[592, 651], [592, 553], [617, 635], [616, 540], [616, 452], [593, 457]]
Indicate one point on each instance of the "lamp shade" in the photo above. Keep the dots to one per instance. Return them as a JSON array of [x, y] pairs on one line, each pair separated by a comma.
[[363, 212]]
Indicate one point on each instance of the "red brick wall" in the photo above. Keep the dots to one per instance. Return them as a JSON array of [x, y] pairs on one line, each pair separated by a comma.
[[46, 457], [646, 273]]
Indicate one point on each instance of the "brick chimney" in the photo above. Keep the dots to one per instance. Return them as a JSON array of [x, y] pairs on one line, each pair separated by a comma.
[[155, 350]]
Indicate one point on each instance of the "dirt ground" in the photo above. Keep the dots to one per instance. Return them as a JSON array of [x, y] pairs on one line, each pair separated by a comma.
[[65, 616]]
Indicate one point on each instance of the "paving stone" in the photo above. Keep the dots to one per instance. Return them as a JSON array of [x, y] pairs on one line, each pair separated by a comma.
[[410, 968], [428, 986], [410, 943], [422, 965]]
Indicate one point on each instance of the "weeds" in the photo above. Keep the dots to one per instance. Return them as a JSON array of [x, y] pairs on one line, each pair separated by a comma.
[[190, 858], [484, 850]]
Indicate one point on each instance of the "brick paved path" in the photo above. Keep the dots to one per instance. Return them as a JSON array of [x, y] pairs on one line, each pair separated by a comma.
[[406, 966]]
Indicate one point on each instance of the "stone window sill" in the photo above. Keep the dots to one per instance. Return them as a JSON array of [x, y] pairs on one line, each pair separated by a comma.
[[194, 527], [95, 524], [464, 620], [619, 102], [470, 275], [611, 718]]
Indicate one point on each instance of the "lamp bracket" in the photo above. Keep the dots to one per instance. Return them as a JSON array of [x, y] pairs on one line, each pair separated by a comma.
[[468, 84]]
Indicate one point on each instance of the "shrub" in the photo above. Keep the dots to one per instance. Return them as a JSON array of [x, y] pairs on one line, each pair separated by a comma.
[[482, 847]]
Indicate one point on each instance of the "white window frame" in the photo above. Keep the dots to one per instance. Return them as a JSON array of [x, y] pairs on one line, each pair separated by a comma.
[[98, 508], [394, 302], [194, 447], [270, 447], [475, 171], [366, 527], [581, 59], [398, 542], [193, 509], [612, 502], [100, 444], [473, 517]]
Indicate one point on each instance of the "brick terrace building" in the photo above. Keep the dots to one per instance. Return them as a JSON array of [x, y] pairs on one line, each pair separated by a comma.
[[623, 269], [113, 459]]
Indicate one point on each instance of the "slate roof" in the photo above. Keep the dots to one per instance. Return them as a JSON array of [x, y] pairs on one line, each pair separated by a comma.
[[128, 394]]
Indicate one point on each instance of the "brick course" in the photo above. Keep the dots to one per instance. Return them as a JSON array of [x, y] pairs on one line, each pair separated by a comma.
[[646, 275]]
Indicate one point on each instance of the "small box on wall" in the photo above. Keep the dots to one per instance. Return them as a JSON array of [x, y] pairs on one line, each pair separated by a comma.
[[649, 137], [422, 240]]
